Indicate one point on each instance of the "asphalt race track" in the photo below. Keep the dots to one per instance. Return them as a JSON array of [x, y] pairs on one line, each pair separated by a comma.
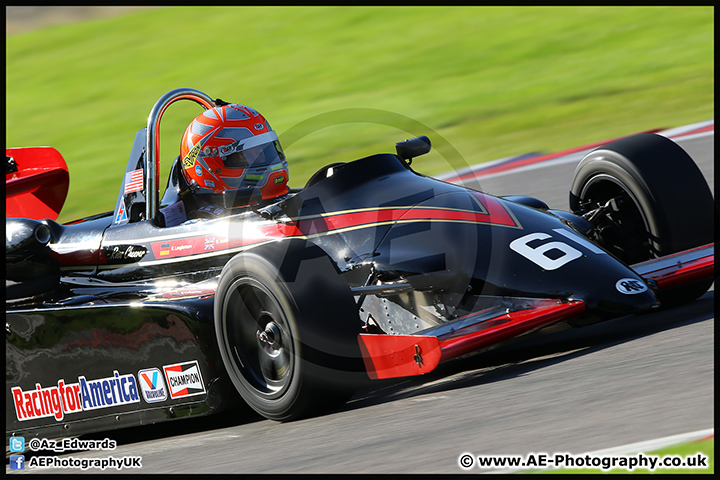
[[629, 380]]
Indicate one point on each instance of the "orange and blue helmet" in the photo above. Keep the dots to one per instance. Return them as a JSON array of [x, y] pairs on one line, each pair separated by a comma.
[[231, 147]]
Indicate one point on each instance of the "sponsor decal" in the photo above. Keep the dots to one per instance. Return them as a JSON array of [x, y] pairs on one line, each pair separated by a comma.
[[121, 216], [133, 181], [124, 253], [198, 170], [209, 183], [188, 246], [630, 286], [189, 159], [64, 398], [152, 385], [258, 126], [108, 392], [56, 401], [182, 293], [184, 379], [279, 180]]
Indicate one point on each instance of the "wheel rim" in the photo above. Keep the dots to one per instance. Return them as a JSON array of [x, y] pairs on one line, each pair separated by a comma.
[[257, 337], [625, 230]]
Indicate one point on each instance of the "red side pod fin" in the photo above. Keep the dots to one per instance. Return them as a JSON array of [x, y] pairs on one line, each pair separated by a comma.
[[509, 325], [393, 356], [36, 182], [679, 268]]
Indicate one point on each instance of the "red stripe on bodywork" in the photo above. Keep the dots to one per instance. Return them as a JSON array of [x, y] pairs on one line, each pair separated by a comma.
[[251, 234], [493, 214]]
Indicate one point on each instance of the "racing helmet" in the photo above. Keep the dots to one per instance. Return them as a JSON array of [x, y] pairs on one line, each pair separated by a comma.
[[230, 147]]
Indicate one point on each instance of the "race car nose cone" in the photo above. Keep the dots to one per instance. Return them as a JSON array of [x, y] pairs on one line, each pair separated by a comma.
[[626, 300]]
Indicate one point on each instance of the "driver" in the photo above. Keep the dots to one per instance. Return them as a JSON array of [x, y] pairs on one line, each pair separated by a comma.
[[232, 147]]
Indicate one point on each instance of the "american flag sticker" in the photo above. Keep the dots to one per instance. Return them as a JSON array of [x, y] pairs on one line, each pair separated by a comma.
[[133, 181]]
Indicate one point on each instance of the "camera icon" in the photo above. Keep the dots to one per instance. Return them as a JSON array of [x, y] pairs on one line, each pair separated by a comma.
[[17, 444]]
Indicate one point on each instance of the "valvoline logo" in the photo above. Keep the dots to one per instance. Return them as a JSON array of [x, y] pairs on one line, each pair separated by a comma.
[[152, 385]]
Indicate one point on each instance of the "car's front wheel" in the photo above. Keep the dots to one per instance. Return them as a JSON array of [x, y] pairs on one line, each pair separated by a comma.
[[645, 198], [284, 330]]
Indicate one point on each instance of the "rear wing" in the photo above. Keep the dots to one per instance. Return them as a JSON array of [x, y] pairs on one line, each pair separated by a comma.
[[36, 182]]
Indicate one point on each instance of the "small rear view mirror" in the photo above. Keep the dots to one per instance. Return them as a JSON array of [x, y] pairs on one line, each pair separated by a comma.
[[414, 147]]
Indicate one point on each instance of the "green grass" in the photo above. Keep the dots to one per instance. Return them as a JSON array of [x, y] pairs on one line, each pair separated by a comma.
[[686, 450], [482, 82]]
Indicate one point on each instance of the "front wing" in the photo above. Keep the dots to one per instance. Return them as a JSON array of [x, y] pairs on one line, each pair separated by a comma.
[[392, 356]]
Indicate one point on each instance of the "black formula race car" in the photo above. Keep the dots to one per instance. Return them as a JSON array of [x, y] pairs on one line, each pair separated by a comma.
[[371, 271]]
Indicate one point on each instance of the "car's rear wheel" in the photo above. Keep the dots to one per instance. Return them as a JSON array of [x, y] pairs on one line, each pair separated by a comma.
[[282, 344], [645, 198]]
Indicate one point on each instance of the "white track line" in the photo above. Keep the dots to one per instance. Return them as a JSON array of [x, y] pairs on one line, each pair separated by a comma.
[[656, 444]]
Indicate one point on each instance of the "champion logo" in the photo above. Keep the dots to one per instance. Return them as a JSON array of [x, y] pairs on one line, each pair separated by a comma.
[[152, 385], [184, 379]]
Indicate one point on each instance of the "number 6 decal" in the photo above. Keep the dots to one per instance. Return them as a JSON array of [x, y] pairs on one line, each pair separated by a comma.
[[539, 255]]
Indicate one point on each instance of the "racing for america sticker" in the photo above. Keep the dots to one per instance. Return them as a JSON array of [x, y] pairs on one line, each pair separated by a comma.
[[630, 286], [184, 379]]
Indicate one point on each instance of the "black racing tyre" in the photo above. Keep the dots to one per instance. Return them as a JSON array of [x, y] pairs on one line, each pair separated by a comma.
[[285, 330], [645, 198]]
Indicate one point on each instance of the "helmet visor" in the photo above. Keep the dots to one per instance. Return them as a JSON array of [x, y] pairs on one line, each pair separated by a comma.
[[257, 151], [259, 156]]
